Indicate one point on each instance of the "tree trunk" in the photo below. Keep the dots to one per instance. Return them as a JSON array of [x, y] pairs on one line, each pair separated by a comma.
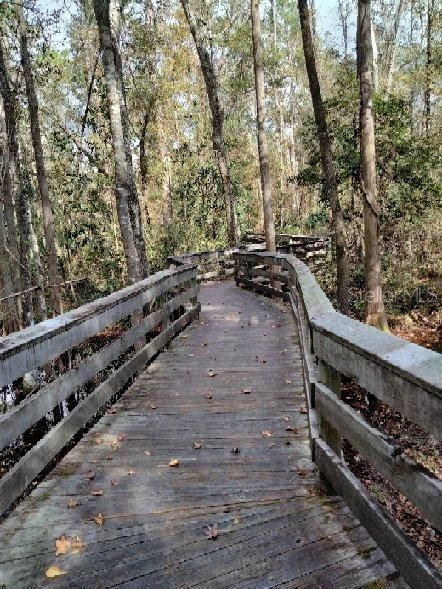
[[393, 45], [375, 304], [134, 202], [123, 179], [219, 148], [266, 188], [48, 218], [19, 192], [429, 67], [328, 169]]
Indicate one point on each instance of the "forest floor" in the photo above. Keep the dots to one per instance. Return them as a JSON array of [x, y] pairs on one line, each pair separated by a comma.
[[425, 330]]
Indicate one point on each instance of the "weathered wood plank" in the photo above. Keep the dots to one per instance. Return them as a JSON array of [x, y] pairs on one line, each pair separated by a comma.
[[33, 347], [417, 484], [20, 418], [410, 561], [22, 474]]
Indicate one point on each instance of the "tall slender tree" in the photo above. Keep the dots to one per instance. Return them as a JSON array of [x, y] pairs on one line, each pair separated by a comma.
[[23, 213], [218, 139], [263, 152], [328, 168], [42, 178], [124, 181], [375, 303]]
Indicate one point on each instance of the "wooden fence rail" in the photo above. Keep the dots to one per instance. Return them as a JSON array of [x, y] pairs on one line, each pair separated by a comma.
[[405, 376], [171, 292]]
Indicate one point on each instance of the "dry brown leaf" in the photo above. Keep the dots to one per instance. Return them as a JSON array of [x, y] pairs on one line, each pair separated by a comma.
[[97, 493], [130, 472], [246, 391], [147, 452], [288, 381], [114, 483], [285, 418], [62, 545], [208, 396], [108, 457], [212, 532], [90, 475], [54, 571], [174, 462], [196, 445], [290, 428], [237, 520], [99, 519], [77, 544], [235, 450], [72, 503], [115, 444], [211, 373], [266, 433], [303, 409], [153, 406]]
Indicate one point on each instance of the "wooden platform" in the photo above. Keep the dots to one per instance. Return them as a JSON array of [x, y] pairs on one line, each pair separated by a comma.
[[126, 518]]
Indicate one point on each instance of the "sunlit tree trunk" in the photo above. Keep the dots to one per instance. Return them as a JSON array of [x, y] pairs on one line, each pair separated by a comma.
[[42, 179], [219, 147], [134, 202], [264, 165], [429, 66], [19, 193], [375, 304], [123, 179], [328, 169], [393, 45]]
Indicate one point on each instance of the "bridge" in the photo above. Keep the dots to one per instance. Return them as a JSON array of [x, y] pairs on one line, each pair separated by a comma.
[[204, 446]]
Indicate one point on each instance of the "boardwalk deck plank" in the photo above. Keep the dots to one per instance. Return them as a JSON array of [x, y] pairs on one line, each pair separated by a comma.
[[274, 527]]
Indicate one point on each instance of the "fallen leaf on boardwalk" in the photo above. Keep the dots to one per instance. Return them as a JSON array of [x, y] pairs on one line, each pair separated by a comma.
[[211, 374], [272, 445], [235, 450], [290, 428], [153, 406], [122, 437], [97, 493], [209, 396], [90, 475], [62, 545], [114, 483], [54, 571], [246, 391], [174, 462], [237, 520], [196, 445], [99, 519], [115, 444], [191, 355], [288, 381], [204, 344], [266, 433], [72, 503], [108, 457], [212, 532], [111, 410], [285, 418], [77, 544], [130, 472], [302, 472], [303, 409], [147, 452]]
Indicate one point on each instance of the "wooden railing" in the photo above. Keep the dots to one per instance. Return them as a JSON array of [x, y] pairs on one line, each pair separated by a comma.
[[157, 307], [219, 264], [403, 375]]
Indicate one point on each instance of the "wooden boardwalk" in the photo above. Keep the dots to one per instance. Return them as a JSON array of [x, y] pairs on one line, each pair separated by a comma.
[[225, 401]]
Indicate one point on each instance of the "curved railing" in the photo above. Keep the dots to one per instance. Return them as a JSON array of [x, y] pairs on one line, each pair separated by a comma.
[[404, 375]]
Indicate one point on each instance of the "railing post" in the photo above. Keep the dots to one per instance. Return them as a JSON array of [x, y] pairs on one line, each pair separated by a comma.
[[331, 378]]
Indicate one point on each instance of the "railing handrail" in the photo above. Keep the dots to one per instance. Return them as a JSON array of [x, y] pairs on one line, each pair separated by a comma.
[[405, 376]]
